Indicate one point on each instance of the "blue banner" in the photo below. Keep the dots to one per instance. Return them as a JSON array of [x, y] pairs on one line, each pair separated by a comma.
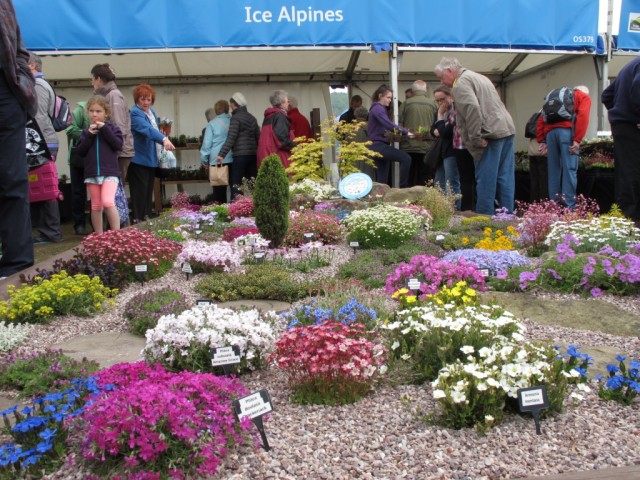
[[134, 24], [629, 34]]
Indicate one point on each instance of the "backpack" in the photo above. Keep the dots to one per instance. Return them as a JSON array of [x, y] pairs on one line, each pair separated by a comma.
[[61, 117], [530, 130], [558, 105]]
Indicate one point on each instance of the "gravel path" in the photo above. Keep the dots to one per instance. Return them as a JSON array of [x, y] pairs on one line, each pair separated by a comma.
[[382, 437]]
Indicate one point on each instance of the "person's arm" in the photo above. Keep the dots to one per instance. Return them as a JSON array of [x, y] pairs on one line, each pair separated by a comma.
[[112, 134], [582, 119], [85, 142], [468, 108], [234, 129], [77, 123], [207, 144], [281, 129], [141, 125], [608, 95], [382, 118]]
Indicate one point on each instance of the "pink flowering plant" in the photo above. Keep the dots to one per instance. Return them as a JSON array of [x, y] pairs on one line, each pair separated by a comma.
[[241, 207], [433, 274], [231, 233], [209, 257], [330, 363], [155, 424], [325, 228], [124, 249]]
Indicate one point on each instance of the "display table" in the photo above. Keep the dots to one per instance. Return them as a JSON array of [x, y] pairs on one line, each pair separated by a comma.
[[159, 193]]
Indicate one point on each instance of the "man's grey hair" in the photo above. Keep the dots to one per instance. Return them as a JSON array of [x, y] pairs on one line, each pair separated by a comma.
[[419, 86], [293, 102], [36, 60], [448, 63], [582, 88], [361, 113], [277, 97]]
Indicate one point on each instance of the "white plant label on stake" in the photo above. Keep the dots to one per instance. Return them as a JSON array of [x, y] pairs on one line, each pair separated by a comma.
[[413, 284]]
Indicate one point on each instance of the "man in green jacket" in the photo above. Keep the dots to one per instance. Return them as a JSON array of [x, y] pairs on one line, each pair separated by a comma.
[[417, 111], [76, 168]]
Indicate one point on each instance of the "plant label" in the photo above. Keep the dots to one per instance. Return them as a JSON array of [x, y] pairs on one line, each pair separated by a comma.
[[439, 237], [197, 226], [308, 236], [186, 268], [198, 232], [203, 302], [484, 272], [413, 284], [259, 256], [255, 406], [354, 244], [141, 268], [534, 400], [225, 356]]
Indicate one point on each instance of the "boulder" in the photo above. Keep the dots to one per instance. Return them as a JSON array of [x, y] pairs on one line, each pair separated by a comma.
[[404, 195]]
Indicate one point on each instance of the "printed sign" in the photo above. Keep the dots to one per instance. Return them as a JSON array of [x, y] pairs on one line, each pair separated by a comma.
[[141, 268], [186, 268], [225, 356], [254, 405], [354, 244], [534, 400], [203, 302], [413, 284], [356, 185]]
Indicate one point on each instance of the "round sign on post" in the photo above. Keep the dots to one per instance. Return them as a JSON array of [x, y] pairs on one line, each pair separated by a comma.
[[355, 186]]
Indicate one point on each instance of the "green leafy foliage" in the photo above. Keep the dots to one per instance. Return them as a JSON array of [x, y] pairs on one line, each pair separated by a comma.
[[271, 200], [144, 310], [265, 282]]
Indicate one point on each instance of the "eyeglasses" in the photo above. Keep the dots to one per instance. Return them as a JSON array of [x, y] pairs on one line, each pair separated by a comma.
[[441, 99]]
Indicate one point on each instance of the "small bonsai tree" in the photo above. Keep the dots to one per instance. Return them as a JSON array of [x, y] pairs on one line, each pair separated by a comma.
[[271, 200]]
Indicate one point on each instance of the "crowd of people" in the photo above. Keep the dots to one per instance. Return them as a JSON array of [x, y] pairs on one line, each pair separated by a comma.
[[112, 143]]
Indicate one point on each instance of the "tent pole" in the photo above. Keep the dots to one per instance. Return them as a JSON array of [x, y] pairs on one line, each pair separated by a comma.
[[393, 77]]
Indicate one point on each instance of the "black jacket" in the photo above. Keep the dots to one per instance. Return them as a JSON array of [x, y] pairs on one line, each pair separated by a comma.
[[243, 135]]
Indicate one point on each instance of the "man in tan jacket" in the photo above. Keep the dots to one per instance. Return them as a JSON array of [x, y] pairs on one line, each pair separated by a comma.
[[488, 132]]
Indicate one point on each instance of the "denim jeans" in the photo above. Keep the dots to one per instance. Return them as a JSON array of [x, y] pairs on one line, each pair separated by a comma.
[[448, 179], [562, 167], [384, 163], [495, 176]]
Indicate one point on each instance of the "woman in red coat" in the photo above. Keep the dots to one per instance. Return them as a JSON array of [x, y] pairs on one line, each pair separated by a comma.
[[276, 135]]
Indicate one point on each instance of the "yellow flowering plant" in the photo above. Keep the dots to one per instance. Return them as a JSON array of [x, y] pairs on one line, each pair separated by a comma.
[[60, 295], [406, 298], [498, 240], [460, 294]]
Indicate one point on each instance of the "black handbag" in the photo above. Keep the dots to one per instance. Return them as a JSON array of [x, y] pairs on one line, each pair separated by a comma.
[[530, 130], [75, 159], [433, 157]]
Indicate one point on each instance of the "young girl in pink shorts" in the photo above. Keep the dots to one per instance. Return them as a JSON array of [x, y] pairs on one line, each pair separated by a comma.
[[99, 145]]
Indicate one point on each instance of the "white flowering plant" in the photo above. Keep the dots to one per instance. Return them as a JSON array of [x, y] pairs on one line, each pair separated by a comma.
[[183, 342], [478, 389], [209, 257], [592, 234], [318, 190], [383, 226], [432, 335], [13, 335]]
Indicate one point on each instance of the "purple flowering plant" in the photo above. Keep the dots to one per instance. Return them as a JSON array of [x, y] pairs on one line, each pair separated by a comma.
[[207, 257], [495, 261], [434, 273], [588, 273], [153, 422]]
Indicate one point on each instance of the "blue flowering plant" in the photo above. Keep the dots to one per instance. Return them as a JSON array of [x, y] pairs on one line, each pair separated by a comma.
[[494, 261], [622, 383], [574, 363], [39, 433], [313, 314]]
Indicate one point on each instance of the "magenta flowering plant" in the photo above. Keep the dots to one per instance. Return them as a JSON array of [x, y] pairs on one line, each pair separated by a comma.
[[124, 249], [231, 233], [330, 363], [434, 273], [325, 228], [241, 207], [152, 422], [180, 200], [208, 257]]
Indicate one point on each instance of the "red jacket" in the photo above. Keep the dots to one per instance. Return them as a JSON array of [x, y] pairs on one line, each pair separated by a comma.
[[582, 108], [299, 124], [275, 136]]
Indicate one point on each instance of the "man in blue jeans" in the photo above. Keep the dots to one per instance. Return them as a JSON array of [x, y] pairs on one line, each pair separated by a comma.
[[17, 98], [487, 131], [560, 141]]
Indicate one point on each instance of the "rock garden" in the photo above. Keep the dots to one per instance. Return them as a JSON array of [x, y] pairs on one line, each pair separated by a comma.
[[405, 333]]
